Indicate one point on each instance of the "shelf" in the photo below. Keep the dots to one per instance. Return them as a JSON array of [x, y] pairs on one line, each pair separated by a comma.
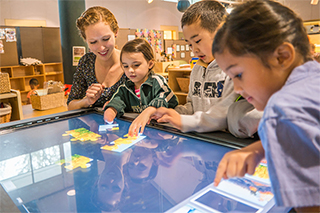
[[14, 99], [173, 74], [21, 75], [8, 95], [37, 75], [17, 83], [21, 71], [54, 73], [162, 67]]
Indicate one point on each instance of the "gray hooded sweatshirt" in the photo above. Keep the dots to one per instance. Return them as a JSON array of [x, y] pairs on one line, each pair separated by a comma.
[[209, 98]]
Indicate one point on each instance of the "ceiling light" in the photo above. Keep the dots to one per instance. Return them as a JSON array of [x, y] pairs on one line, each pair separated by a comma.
[[150, 1], [314, 2]]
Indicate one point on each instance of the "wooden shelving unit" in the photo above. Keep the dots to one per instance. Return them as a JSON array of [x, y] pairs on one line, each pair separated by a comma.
[[14, 99], [21, 75], [173, 74]]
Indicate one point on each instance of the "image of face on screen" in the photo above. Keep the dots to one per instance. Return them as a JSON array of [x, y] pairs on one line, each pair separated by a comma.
[[143, 164], [110, 189]]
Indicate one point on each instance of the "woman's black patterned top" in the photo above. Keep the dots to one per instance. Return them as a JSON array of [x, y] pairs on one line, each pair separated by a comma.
[[85, 76]]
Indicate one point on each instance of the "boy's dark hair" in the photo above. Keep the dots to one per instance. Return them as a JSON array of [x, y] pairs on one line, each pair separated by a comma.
[[258, 28], [138, 45], [34, 81], [210, 13]]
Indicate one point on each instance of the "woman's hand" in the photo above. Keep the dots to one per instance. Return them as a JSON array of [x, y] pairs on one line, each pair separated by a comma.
[[239, 162], [94, 93], [168, 115], [110, 114], [140, 122]]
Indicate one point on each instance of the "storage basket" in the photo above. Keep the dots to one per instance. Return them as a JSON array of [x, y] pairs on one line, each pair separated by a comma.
[[183, 84], [4, 83], [5, 113], [47, 101]]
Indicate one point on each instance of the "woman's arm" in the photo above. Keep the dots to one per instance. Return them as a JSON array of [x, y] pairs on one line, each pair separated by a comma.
[[78, 104], [82, 95], [92, 95]]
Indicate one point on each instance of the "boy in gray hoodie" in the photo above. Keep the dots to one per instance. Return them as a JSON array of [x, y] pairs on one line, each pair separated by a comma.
[[210, 89]]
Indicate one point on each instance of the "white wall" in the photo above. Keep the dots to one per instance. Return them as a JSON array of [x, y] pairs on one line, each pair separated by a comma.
[[129, 13], [139, 14], [306, 10], [30, 9]]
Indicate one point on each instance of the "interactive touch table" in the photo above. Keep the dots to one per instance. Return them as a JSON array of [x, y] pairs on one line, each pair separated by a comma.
[[74, 162]]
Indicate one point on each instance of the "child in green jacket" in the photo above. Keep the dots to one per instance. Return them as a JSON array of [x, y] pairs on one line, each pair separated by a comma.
[[144, 92]]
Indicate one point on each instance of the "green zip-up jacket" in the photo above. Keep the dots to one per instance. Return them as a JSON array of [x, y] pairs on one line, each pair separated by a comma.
[[153, 92]]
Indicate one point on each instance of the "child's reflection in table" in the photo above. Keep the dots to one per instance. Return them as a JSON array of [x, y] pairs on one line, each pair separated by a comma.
[[121, 185]]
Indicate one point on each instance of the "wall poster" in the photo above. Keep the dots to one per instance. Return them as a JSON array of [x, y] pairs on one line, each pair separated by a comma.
[[11, 34], [152, 36], [1, 47], [77, 53]]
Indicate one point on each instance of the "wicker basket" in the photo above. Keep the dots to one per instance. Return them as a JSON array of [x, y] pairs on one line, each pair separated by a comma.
[[183, 84], [4, 83], [5, 113], [47, 101]]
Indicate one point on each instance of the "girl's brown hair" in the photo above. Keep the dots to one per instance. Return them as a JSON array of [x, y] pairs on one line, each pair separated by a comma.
[[259, 27], [138, 45], [94, 15]]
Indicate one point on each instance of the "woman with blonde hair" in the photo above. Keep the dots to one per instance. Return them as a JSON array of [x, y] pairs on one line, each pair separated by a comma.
[[99, 73]]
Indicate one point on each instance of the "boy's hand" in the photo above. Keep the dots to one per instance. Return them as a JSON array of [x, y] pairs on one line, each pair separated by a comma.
[[94, 92], [239, 162], [168, 115], [110, 114], [141, 121]]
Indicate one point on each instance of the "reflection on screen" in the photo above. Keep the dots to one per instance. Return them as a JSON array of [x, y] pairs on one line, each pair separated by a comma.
[[223, 204], [59, 167]]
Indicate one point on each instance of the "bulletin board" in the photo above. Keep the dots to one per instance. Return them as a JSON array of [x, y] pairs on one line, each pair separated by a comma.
[[122, 37], [180, 49], [8, 48], [155, 37], [42, 43], [52, 51], [31, 43]]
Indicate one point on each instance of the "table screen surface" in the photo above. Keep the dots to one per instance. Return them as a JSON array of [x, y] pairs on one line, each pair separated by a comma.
[[78, 165]]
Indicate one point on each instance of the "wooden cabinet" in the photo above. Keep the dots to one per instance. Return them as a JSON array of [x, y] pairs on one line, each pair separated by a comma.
[[162, 67], [173, 74], [21, 75], [14, 99]]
